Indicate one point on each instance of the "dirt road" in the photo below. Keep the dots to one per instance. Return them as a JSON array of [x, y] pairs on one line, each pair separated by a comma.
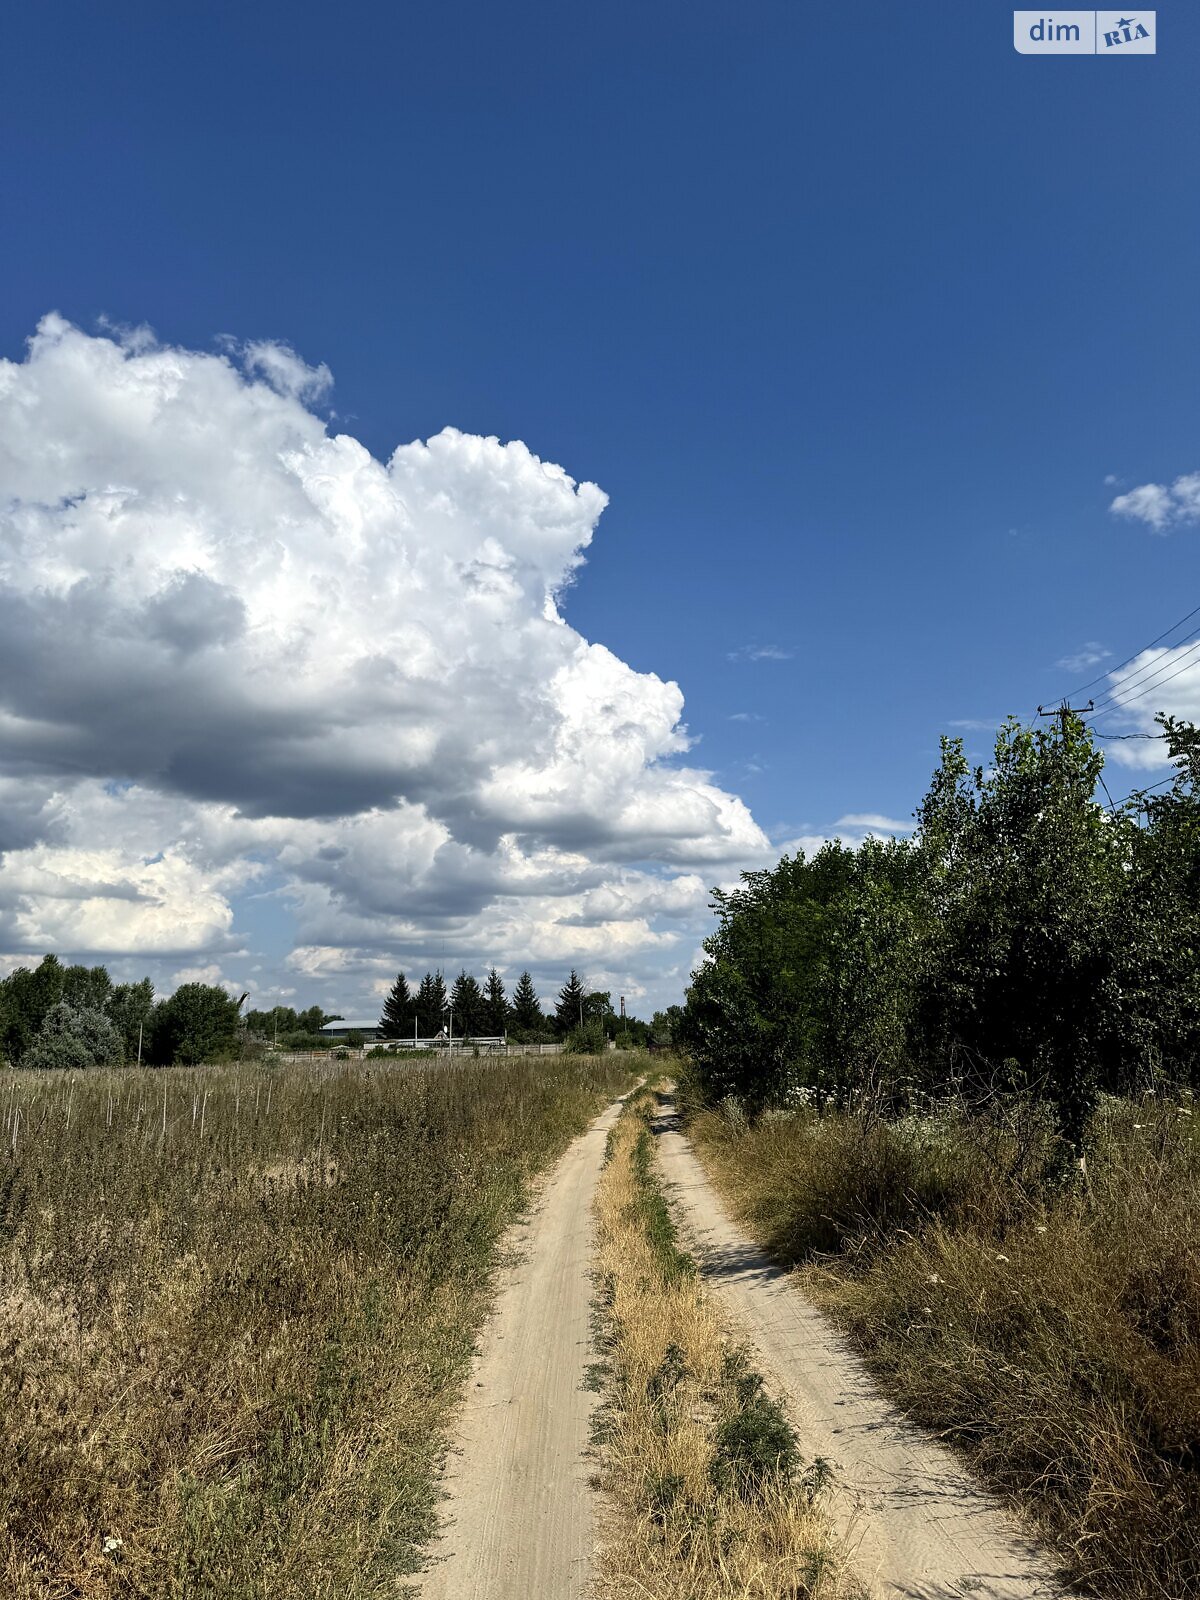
[[923, 1529], [520, 1513]]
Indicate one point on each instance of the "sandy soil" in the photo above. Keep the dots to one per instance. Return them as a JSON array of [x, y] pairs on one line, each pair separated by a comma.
[[922, 1528], [520, 1508]]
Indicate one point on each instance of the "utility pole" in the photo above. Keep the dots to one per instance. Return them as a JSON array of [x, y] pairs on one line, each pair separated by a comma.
[[1064, 711]]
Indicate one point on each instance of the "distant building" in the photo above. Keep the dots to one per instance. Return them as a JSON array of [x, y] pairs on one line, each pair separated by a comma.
[[339, 1029]]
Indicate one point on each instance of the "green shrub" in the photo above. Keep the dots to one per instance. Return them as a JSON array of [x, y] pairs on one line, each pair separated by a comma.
[[755, 1444], [92, 1028], [60, 1052], [590, 1040]]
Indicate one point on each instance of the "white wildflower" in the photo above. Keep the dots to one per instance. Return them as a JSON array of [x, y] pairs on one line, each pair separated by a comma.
[[1041, 1229], [1001, 1258], [933, 1278], [112, 1544]]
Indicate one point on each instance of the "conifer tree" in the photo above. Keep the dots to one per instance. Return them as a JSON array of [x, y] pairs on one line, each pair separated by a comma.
[[495, 1005], [397, 1017], [466, 1003], [526, 1007], [431, 1004], [569, 1012]]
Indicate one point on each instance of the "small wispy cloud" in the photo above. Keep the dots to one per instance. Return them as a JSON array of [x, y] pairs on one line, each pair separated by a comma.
[[1159, 505], [745, 716], [974, 724], [760, 652], [873, 822], [1088, 655]]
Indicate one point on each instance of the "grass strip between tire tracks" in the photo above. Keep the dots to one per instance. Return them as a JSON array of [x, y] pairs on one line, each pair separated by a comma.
[[707, 1495]]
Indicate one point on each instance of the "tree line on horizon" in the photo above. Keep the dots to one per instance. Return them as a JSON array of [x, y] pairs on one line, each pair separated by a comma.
[[76, 1018], [485, 1011], [1027, 939]]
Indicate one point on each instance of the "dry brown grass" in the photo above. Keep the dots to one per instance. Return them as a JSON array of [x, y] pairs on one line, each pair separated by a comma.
[[1050, 1331], [700, 1509], [230, 1346]]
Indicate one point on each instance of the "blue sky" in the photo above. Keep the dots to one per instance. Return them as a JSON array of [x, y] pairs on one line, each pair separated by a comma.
[[851, 312]]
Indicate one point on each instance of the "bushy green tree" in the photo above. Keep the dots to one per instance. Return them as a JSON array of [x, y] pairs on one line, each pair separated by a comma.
[[1028, 939], [129, 1008], [28, 995], [1154, 1033], [199, 1023], [98, 1032], [59, 1052], [87, 988], [589, 1040], [78, 1037], [753, 1014], [314, 1019], [1019, 973]]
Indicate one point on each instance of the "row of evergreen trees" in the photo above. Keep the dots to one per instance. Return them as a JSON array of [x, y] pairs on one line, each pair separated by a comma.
[[1029, 938], [486, 1011]]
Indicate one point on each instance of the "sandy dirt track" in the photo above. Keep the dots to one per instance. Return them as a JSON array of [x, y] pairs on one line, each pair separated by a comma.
[[520, 1509], [921, 1527]]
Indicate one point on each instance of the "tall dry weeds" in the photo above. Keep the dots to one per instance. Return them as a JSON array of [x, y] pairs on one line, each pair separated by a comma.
[[236, 1305], [1050, 1330]]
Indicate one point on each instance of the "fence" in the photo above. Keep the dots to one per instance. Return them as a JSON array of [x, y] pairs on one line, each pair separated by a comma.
[[423, 1050]]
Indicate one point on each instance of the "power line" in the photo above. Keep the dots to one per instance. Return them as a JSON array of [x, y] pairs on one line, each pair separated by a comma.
[[1152, 668], [1155, 669], [1151, 786], [1120, 705], [1108, 672]]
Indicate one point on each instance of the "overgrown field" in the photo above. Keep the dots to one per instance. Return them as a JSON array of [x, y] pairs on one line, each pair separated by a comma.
[[236, 1305], [710, 1499], [1048, 1327]]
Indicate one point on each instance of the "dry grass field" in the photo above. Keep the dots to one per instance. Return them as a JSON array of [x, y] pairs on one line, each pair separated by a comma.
[[1050, 1330], [236, 1305]]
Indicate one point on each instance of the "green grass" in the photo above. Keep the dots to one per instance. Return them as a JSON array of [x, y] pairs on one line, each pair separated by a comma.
[[648, 1207], [236, 1307], [1050, 1330]]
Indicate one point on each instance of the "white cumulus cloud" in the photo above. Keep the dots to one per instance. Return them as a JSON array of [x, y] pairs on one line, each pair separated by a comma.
[[234, 645], [1163, 679], [1159, 504]]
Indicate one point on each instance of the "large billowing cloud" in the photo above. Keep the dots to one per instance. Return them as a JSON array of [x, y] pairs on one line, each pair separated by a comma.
[[236, 648]]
